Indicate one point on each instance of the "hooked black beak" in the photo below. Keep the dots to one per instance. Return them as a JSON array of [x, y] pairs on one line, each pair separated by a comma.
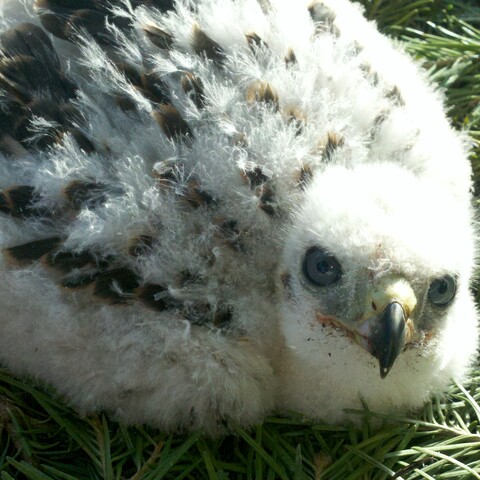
[[387, 338]]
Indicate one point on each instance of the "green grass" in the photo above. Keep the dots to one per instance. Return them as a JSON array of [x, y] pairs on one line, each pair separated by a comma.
[[41, 438]]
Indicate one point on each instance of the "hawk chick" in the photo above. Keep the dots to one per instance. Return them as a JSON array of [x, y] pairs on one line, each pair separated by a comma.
[[214, 209]]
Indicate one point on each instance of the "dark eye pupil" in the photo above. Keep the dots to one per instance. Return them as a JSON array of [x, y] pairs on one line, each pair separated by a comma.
[[320, 267], [324, 267], [442, 287]]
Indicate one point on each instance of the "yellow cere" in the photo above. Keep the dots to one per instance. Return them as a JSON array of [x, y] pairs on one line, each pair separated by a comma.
[[392, 288]]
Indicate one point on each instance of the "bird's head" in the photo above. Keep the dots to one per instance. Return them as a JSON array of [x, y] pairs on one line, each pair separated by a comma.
[[377, 256]]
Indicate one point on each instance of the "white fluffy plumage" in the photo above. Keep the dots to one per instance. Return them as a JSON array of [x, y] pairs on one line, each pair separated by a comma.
[[213, 209]]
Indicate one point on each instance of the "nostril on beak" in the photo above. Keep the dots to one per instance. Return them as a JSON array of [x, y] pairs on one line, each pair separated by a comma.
[[374, 306]]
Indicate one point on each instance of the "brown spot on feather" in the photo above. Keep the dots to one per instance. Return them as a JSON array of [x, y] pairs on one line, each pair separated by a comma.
[[15, 73], [167, 176], [368, 72], [290, 58], [261, 184], [156, 297], [83, 142], [229, 234], [68, 260], [116, 286], [172, 124], [193, 87], [321, 13], [85, 193], [186, 278], [262, 92], [147, 82], [19, 201], [141, 245], [153, 87], [11, 147], [31, 251], [45, 108], [4, 204], [206, 314], [196, 196], [267, 199], [334, 140], [92, 21], [158, 37], [12, 110], [125, 103], [255, 176], [379, 119], [305, 176], [329, 144], [51, 22], [323, 18], [203, 45], [223, 317], [396, 96], [29, 39], [65, 18], [255, 42], [297, 119], [24, 76], [132, 73]]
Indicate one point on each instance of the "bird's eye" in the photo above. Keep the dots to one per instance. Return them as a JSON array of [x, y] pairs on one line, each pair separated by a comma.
[[442, 291], [320, 267]]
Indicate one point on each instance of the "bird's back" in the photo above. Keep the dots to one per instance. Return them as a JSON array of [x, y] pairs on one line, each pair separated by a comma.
[[154, 156]]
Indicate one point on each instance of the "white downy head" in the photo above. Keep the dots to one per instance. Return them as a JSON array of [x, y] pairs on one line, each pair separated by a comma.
[[376, 274]]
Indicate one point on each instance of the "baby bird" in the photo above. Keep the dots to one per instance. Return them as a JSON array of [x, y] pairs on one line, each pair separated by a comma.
[[211, 210]]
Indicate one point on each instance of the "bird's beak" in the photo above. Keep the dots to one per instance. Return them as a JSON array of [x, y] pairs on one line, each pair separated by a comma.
[[387, 337], [385, 326]]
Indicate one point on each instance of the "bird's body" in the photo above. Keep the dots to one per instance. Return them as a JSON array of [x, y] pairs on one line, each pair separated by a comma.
[[211, 210]]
